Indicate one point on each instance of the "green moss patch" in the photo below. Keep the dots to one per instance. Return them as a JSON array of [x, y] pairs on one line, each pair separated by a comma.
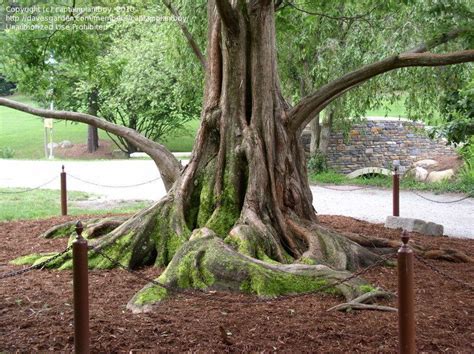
[[31, 259], [265, 282], [149, 295]]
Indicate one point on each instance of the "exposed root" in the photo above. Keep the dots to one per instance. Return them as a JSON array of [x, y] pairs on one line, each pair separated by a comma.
[[209, 263], [102, 227], [93, 228], [62, 230], [372, 242], [450, 255], [341, 253], [384, 246], [355, 306], [134, 243], [360, 303]]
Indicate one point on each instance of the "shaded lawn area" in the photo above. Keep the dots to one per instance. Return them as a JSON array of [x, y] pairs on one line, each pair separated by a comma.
[[24, 133]]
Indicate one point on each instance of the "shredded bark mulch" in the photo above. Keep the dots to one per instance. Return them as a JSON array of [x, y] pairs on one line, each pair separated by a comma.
[[79, 151], [36, 311]]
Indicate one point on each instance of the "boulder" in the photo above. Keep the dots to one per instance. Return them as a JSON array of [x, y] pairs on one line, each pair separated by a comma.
[[437, 176], [66, 144], [420, 174], [417, 225], [55, 145], [426, 163]]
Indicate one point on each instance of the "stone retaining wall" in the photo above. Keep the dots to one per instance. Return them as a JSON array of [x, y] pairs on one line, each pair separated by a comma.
[[379, 143]]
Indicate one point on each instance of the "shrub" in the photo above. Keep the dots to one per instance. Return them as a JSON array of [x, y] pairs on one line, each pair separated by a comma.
[[317, 162], [7, 153], [6, 87]]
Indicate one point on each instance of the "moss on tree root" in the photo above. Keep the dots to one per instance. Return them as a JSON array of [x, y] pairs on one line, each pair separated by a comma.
[[209, 263], [242, 260]]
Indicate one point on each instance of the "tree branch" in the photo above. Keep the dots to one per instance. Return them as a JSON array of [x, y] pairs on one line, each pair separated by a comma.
[[228, 15], [191, 41], [301, 114], [339, 18], [169, 166], [441, 39]]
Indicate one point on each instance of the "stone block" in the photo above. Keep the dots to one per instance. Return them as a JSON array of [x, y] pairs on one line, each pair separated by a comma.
[[416, 225], [419, 173], [437, 176]]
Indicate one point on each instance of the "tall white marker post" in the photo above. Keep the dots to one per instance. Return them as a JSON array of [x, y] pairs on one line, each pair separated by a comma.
[[48, 124]]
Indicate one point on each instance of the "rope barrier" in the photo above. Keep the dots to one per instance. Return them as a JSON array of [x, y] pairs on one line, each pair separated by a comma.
[[344, 190], [36, 266], [116, 186], [414, 192], [29, 189], [442, 273], [440, 201]]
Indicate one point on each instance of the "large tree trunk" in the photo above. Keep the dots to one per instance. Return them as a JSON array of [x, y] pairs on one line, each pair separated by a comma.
[[244, 197]]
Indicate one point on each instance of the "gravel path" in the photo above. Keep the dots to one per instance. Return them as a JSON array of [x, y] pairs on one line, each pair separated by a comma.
[[367, 204]]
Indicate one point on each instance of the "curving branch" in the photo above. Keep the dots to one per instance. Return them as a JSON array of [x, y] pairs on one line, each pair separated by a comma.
[[301, 114], [169, 166], [441, 39], [338, 18], [191, 41], [228, 15]]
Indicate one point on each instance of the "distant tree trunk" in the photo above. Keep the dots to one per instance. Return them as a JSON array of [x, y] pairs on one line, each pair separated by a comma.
[[315, 135], [92, 132], [326, 131], [314, 124]]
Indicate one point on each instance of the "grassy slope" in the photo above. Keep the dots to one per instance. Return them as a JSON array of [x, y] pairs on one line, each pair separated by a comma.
[[25, 134], [45, 203]]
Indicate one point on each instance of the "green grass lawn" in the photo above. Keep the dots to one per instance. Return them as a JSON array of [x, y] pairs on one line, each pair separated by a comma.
[[45, 203], [183, 141], [396, 109], [464, 183], [24, 133]]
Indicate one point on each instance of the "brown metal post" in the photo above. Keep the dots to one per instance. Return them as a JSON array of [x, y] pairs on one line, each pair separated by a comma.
[[406, 298], [63, 193], [81, 293], [396, 192]]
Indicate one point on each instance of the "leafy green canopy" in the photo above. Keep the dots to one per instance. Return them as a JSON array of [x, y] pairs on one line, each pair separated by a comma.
[[148, 70], [320, 40], [141, 71]]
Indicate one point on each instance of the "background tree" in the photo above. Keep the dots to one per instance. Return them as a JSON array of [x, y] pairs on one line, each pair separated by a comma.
[[240, 215], [457, 116], [47, 64], [131, 72], [344, 35], [146, 84]]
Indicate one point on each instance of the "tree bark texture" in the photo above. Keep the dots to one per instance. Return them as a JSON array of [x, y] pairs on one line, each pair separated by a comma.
[[315, 135], [92, 131]]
